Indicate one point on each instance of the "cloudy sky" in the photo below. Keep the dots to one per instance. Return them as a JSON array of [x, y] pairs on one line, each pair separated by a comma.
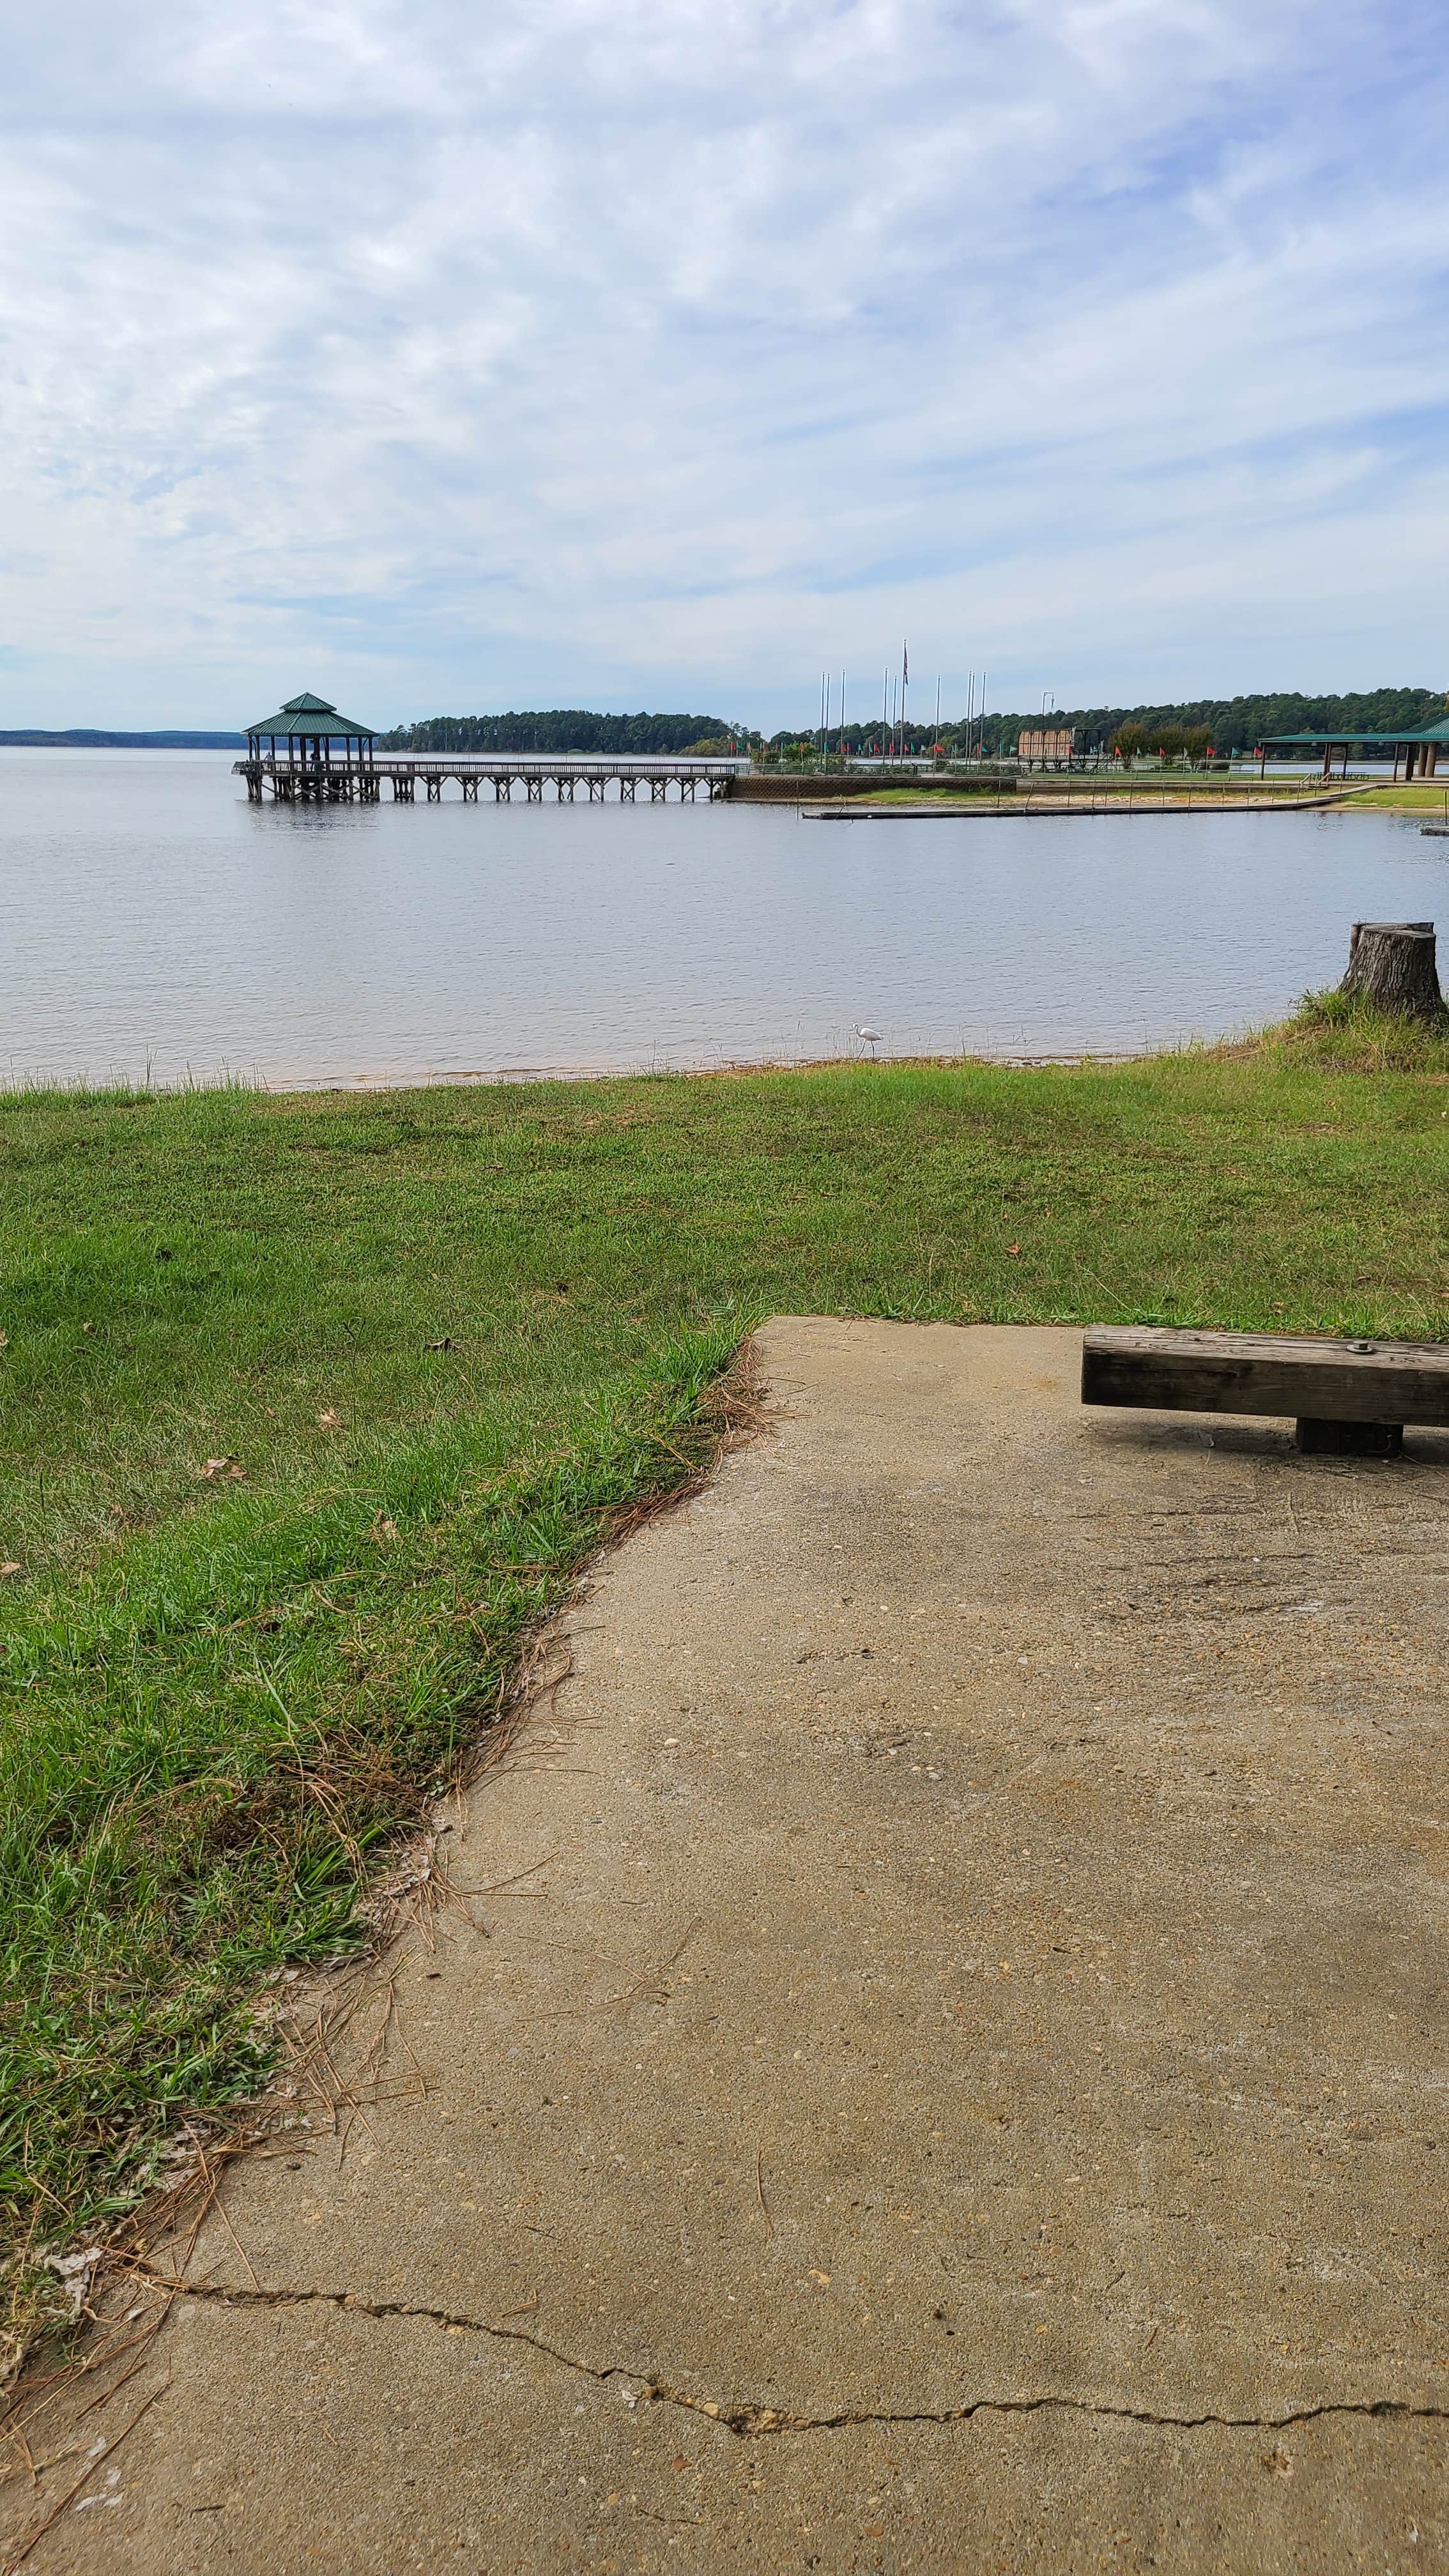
[[448, 356]]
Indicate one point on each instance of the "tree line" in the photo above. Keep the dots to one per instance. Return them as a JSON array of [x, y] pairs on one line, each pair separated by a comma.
[[561, 729], [1191, 724], [1229, 724]]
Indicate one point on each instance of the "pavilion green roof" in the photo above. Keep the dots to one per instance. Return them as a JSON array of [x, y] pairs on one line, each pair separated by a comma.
[[314, 717]]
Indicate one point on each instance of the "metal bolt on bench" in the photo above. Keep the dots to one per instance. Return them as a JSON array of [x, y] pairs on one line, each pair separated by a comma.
[[1348, 1399]]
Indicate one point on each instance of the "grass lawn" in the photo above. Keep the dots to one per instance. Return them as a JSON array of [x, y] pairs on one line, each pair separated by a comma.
[[1431, 800], [1147, 786], [312, 1406], [1234, 783]]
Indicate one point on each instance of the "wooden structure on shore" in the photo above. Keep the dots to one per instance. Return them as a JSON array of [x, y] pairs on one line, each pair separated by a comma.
[[1047, 746]]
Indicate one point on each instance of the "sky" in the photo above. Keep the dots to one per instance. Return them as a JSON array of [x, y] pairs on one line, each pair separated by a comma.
[[447, 358]]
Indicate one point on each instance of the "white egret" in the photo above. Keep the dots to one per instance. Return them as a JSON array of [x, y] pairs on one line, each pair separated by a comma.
[[872, 1038]]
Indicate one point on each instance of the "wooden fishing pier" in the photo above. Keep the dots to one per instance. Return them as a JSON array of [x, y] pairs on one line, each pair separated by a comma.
[[307, 754], [361, 781]]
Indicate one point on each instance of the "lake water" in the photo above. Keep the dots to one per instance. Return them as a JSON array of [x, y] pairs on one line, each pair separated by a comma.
[[152, 922]]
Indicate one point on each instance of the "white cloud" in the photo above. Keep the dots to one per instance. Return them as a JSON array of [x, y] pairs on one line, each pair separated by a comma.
[[654, 351]]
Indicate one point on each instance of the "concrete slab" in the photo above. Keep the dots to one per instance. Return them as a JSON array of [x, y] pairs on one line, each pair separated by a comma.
[[949, 2070]]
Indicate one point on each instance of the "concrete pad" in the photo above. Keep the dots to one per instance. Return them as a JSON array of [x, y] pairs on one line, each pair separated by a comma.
[[949, 2070]]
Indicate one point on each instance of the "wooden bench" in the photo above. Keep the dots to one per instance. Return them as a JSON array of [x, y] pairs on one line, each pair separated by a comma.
[[1347, 1399]]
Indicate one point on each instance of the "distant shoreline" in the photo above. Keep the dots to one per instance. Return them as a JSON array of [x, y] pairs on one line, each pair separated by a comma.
[[86, 738]]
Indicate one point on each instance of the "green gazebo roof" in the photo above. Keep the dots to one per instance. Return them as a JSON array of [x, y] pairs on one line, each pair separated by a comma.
[[313, 717]]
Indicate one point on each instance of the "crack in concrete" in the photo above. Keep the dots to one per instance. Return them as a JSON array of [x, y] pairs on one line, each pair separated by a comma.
[[747, 2421]]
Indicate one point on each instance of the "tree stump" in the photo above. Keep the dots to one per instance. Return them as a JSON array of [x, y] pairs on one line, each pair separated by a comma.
[[1392, 965]]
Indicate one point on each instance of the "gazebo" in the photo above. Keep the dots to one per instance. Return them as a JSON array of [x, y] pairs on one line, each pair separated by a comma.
[[312, 736]]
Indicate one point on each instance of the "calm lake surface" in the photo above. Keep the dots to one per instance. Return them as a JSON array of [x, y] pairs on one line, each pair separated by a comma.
[[155, 923]]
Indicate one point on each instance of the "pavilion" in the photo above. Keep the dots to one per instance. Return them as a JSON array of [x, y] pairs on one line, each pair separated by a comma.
[[1418, 749], [308, 728]]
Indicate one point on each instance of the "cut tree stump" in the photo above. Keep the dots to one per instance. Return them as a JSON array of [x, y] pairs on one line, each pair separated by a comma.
[[1392, 964]]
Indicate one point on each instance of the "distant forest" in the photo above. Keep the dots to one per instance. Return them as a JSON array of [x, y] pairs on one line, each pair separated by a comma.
[[86, 738], [560, 729], [1235, 724]]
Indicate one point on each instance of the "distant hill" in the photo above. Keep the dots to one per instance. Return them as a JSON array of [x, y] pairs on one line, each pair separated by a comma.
[[559, 729], [85, 738]]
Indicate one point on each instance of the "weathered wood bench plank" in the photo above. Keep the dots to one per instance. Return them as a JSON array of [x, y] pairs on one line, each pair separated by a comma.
[[1281, 1374]]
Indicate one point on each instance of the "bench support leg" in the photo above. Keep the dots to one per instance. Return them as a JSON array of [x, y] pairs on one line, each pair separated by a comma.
[[1349, 1439]]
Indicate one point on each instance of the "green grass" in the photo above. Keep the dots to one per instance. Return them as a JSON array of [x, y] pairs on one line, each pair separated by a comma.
[[1101, 786], [443, 1336], [1340, 1033], [1407, 798]]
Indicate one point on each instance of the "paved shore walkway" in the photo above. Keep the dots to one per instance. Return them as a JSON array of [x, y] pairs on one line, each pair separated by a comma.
[[949, 2073]]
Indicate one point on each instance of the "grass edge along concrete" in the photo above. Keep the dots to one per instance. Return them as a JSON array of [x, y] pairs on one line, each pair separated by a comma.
[[317, 1404]]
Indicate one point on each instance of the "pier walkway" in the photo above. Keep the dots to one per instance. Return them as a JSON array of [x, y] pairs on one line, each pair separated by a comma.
[[360, 781]]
